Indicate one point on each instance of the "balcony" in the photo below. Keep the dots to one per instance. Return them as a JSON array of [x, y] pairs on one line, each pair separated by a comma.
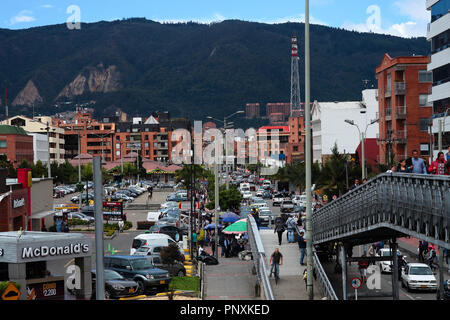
[[400, 88], [387, 93], [400, 112], [400, 136], [388, 114]]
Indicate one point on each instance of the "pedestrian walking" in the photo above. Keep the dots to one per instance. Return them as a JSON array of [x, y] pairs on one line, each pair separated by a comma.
[[279, 228], [362, 266], [302, 247], [120, 226], [416, 164], [356, 185], [432, 258], [372, 253], [213, 245], [290, 223], [275, 261], [402, 167], [438, 167]]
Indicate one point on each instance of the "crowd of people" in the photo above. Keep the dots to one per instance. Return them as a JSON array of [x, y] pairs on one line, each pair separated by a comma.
[[415, 164]]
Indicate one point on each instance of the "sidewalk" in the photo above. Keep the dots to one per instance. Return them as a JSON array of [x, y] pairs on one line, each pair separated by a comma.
[[291, 285], [231, 279]]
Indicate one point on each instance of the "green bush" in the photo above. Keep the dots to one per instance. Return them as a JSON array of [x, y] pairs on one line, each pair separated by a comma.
[[110, 232], [127, 225], [77, 222]]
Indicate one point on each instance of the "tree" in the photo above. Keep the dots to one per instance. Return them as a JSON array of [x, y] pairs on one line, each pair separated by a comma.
[[5, 163], [68, 172], [185, 175], [171, 254], [39, 170], [86, 172]]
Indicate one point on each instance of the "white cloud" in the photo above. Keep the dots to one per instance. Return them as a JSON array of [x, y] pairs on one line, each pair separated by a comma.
[[415, 25], [47, 6], [415, 9], [22, 17]]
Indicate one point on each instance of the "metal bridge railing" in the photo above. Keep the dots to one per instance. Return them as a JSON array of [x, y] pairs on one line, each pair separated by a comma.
[[413, 204], [259, 257], [324, 283]]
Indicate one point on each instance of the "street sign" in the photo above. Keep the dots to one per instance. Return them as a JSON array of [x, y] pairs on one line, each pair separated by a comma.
[[11, 292], [356, 283]]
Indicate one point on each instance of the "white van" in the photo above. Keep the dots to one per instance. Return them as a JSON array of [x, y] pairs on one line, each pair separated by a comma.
[[243, 187], [266, 184], [153, 216], [151, 240]]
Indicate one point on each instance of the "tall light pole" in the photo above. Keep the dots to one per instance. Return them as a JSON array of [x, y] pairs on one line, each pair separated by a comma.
[[48, 139], [225, 128], [309, 246], [362, 136]]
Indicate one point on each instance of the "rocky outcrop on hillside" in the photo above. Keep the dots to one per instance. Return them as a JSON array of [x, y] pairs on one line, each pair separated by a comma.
[[29, 96], [93, 79]]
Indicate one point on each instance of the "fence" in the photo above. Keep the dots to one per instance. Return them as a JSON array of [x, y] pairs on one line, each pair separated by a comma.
[[413, 204], [259, 256], [324, 283]]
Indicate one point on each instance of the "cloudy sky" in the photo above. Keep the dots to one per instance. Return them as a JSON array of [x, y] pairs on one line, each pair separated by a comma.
[[405, 18]]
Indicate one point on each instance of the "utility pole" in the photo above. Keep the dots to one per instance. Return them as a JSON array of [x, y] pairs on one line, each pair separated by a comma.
[[98, 207], [440, 135], [363, 156], [79, 171], [309, 249], [216, 196]]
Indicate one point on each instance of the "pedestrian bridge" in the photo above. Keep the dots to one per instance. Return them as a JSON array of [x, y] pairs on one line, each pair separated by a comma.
[[388, 206]]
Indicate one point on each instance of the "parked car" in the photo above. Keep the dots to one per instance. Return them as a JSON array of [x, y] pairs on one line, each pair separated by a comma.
[[139, 269], [287, 206], [116, 286], [76, 199], [277, 199], [418, 276], [175, 270], [81, 216], [170, 204], [172, 231]]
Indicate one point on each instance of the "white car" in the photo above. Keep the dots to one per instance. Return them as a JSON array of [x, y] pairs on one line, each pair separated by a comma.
[[259, 193], [246, 195], [169, 204], [277, 199], [386, 266], [153, 216], [418, 276]]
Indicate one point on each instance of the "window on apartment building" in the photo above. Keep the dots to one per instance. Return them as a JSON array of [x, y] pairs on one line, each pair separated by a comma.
[[424, 149], [425, 76], [147, 152], [388, 83], [295, 148], [3, 144], [424, 122], [146, 129], [146, 145], [117, 130], [423, 100], [146, 137], [117, 145], [118, 138], [118, 153]]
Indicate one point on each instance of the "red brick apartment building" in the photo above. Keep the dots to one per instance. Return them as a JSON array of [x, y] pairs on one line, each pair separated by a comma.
[[404, 112], [16, 144], [252, 110]]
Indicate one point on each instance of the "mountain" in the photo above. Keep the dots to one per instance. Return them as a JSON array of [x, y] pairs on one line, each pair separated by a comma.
[[189, 69]]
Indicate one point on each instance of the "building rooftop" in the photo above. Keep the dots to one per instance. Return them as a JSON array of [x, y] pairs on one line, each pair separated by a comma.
[[6, 129]]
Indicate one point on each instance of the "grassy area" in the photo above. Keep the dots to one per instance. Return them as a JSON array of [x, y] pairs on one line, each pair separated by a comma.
[[185, 283]]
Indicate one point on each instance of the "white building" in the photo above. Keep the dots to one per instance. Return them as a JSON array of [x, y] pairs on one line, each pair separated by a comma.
[[39, 125], [329, 126], [40, 147], [439, 36]]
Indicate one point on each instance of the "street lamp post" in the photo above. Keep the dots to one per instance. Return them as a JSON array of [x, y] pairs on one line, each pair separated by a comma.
[[362, 136], [224, 121], [48, 140]]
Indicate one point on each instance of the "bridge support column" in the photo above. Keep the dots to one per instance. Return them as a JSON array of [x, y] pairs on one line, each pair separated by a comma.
[[395, 292], [344, 273], [441, 272]]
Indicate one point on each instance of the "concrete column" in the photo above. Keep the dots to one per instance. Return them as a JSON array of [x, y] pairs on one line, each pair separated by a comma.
[[17, 272], [85, 292], [441, 272], [395, 293], [344, 273]]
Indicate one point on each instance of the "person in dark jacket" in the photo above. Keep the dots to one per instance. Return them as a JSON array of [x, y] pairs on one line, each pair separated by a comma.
[[302, 247], [279, 228]]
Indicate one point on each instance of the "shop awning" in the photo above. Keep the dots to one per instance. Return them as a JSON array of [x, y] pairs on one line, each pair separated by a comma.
[[3, 196], [42, 214]]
